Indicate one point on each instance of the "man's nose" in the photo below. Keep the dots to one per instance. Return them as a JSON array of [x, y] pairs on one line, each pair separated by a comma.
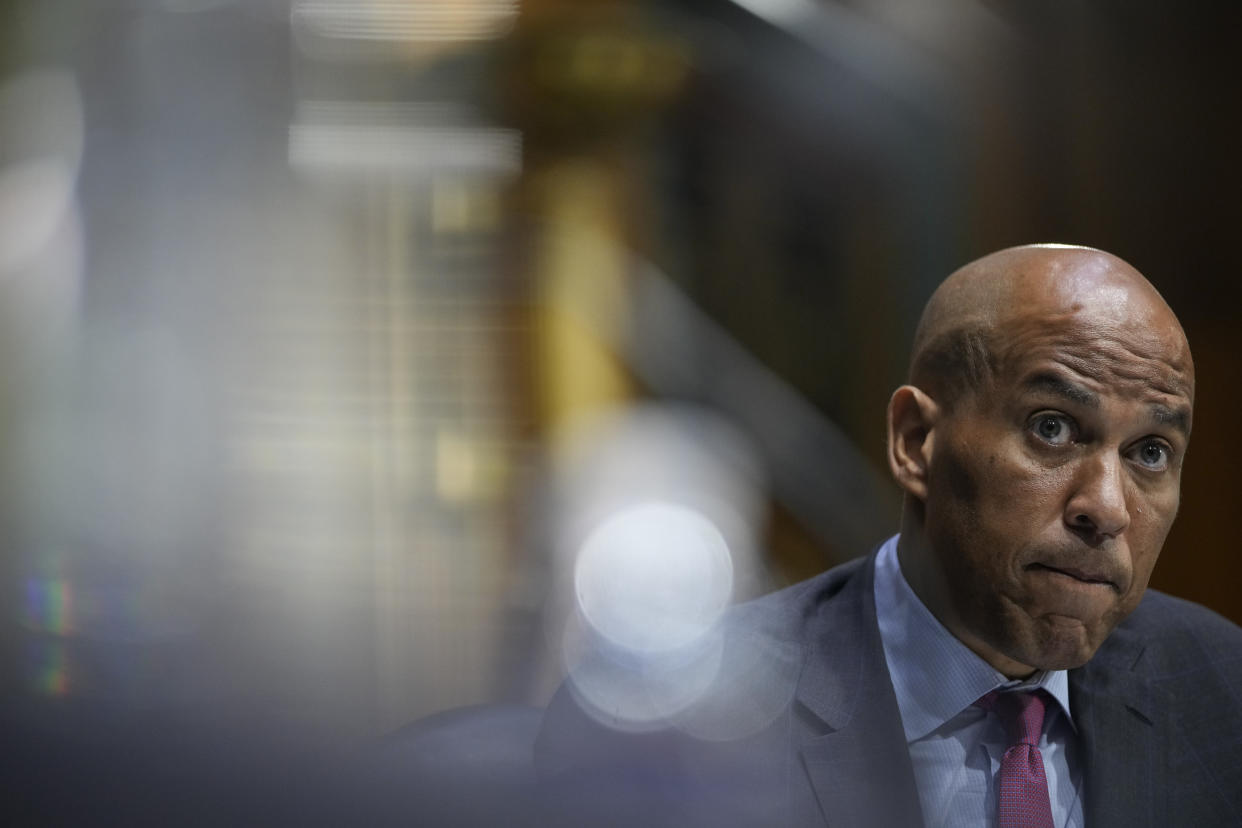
[[1097, 505]]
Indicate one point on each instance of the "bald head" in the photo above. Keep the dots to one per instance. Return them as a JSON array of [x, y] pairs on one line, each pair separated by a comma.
[[980, 314]]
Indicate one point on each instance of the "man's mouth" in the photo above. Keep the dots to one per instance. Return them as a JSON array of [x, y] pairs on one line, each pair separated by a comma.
[[1086, 576]]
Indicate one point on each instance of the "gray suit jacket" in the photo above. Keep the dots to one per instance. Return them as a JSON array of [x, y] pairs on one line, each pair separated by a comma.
[[1158, 711]]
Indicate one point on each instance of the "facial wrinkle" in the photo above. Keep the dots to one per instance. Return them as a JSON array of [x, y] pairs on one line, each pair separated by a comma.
[[1116, 367], [1106, 354]]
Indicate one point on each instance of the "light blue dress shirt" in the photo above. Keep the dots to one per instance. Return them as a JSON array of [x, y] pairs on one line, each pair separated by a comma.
[[956, 748]]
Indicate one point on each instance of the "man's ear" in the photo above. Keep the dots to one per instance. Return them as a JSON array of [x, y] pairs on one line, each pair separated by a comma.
[[912, 416]]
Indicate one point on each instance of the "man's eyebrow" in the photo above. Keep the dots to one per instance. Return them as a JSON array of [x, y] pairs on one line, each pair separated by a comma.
[[1062, 387], [1178, 417]]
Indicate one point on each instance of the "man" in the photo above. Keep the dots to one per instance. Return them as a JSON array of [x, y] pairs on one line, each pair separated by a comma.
[[1039, 444]]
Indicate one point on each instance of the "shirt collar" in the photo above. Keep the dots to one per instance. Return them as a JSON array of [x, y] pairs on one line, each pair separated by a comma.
[[935, 676]]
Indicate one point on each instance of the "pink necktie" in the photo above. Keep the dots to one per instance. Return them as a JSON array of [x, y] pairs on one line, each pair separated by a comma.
[[1023, 784]]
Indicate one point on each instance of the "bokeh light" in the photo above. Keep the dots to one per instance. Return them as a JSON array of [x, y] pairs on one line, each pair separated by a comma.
[[658, 507], [653, 577], [634, 691], [41, 139]]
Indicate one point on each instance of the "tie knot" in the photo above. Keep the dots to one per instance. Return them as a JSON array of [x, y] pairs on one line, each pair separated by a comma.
[[1022, 714]]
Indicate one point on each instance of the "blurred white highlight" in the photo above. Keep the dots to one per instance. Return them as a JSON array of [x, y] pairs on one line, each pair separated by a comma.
[[782, 12], [41, 139], [635, 693], [329, 136], [658, 510], [654, 577], [35, 199]]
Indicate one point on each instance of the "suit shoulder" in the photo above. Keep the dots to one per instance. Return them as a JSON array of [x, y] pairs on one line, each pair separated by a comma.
[[785, 611], [1186, 637], [1193, 656], [1164, 615]]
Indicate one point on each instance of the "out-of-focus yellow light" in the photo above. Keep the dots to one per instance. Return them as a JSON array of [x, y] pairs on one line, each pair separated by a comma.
[[467, 468], [462, 207]]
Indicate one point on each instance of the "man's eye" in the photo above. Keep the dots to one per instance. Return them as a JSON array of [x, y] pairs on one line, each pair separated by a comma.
[[1054, 429], [1152, 454]]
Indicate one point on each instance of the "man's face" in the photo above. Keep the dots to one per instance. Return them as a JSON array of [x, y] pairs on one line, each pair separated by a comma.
[[1050, 490]]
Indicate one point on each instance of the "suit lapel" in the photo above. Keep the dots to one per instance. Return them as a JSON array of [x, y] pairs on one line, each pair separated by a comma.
[[857, 758], [1123, 736]]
